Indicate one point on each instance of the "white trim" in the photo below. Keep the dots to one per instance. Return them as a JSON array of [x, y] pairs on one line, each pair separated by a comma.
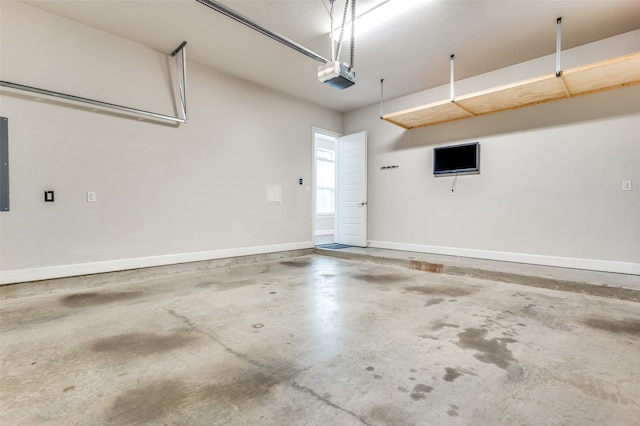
[[325, 232], [325, 132], [535, 259], [62, 271]]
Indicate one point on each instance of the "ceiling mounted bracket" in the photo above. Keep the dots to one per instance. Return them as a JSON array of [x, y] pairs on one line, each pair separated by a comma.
[[182, 82], [381, 97], [558, 46], [452, 92], [107, 105]]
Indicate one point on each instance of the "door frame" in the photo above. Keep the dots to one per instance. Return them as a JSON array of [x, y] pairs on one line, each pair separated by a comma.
[[318, 130], [336, 135]]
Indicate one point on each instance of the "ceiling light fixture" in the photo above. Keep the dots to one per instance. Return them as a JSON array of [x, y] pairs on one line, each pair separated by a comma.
[[375, 17]]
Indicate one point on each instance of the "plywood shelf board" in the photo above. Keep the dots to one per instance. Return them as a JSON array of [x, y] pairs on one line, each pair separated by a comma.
[[603, 75], [598, 76], [437, 111], [515, 95]]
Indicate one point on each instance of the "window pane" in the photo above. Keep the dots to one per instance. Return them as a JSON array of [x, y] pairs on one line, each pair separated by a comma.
[[324, 203], [325, 155], [326, 174]]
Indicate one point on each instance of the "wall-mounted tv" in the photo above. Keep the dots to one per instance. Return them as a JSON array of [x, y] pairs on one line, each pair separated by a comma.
[[456, 159]]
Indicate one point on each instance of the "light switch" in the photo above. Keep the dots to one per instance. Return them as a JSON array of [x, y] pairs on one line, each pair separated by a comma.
[[48, 196], [91, 197], [627, 185]]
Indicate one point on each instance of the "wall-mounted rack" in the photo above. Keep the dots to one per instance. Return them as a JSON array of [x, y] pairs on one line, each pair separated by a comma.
[[182, 87], [595, 77]]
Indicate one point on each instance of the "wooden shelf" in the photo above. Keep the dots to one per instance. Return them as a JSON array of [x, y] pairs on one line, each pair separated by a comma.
[[595, 77]]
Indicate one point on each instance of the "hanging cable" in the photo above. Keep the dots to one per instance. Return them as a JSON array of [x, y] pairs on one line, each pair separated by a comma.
[[353, 31], [344, 23], [333, 41], [453, 185]]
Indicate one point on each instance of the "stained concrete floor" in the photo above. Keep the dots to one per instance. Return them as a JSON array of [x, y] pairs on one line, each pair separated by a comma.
[[316, 340]]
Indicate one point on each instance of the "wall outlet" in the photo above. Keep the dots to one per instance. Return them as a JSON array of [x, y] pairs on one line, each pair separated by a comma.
[[91, 197], [627, 185], [48, 197]]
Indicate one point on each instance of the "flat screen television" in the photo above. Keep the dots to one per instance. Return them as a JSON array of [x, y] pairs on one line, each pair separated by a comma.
[[456, 159]]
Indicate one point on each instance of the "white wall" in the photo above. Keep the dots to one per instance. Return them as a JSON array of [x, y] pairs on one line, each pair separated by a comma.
[[549, 191], [165, 194]]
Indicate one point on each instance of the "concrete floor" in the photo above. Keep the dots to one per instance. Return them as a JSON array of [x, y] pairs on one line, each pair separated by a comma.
[[316, 340]]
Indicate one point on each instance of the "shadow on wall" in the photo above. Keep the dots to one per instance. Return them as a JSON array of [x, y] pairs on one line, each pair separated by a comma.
[[593, 107]]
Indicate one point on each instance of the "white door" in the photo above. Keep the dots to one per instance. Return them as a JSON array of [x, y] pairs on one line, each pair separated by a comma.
[[352, 190]]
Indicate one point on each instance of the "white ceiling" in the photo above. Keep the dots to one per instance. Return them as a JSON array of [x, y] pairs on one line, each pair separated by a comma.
[[411, 52]]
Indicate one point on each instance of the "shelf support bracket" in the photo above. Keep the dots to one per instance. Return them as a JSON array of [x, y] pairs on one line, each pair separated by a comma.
[[181, 83], [558, 46], [452, 92], [381, 97]]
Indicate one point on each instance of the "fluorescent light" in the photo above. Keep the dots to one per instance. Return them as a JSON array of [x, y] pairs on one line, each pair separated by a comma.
[[377, 16]]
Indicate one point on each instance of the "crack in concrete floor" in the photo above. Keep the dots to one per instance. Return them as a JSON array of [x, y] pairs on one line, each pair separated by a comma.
[[266, 367]]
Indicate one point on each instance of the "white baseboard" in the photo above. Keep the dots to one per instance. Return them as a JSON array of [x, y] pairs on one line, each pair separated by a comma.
[[325, 232], [535, 259], [63, 271]]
